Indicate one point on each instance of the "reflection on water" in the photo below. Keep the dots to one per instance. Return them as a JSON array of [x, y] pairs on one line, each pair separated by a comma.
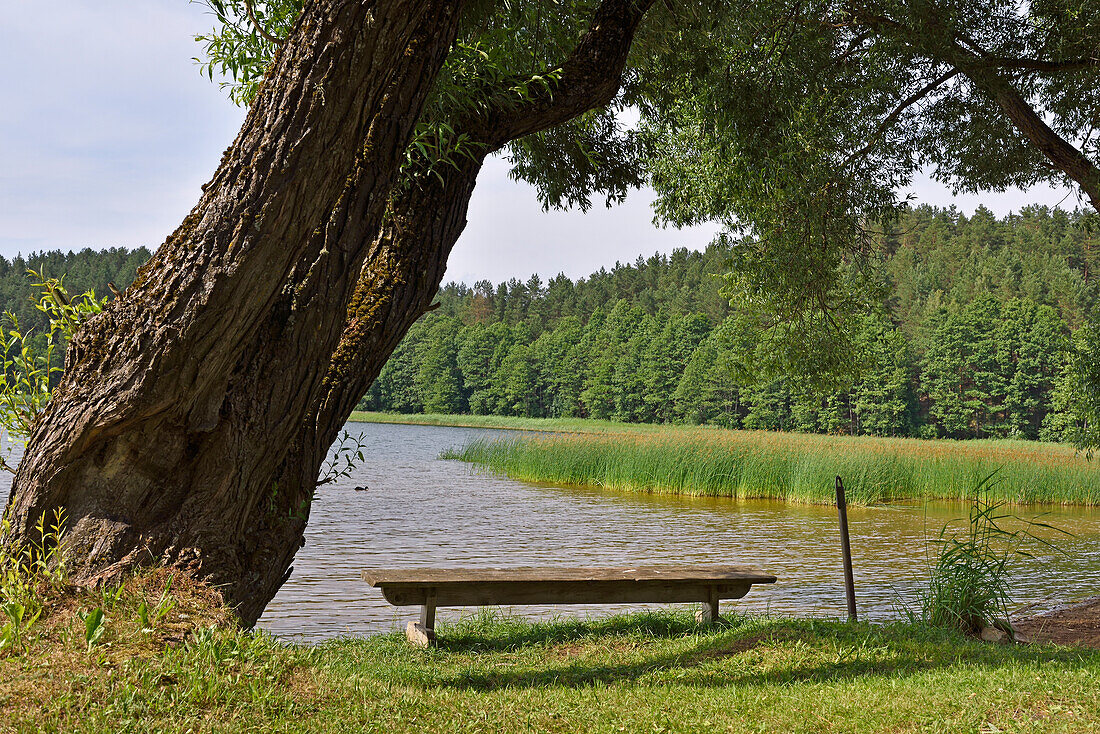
[[422, 511]]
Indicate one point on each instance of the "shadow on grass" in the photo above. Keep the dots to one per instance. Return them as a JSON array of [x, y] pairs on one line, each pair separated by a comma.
[[783, 652], [490, 631]]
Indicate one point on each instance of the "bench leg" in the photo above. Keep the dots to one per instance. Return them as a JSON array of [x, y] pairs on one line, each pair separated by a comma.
[[709, 613], [423, 634], [427, 612]]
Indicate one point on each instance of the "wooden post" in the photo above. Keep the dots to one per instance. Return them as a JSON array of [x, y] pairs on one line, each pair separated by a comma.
[[849, 582], [427, 612]]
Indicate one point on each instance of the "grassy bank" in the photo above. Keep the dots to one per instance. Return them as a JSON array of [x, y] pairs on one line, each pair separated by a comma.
[[793, 467], [555, 425], [639, 673]]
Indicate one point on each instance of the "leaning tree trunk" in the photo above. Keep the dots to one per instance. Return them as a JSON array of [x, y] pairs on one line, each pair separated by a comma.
[[406, 263], [195, 413], [164, 439]]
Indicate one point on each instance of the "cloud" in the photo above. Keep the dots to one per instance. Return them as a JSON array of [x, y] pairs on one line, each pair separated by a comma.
[[509, 235], [112, 129], [109, 131]]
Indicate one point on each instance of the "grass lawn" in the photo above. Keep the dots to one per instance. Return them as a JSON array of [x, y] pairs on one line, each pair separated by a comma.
[[637, 673], [165, 658]]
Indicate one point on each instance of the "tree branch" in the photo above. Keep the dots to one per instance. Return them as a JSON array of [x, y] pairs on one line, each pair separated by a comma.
[[588, 78], [1045, 67], [856, 44], [1063, 154], [890, 119], [939, 43], [263, 32]]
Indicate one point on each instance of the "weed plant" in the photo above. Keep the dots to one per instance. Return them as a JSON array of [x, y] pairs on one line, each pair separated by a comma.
[[28, 572], [969, 581]]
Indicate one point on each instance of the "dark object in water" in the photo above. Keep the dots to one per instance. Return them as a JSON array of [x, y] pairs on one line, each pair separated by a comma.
[[364, 488]]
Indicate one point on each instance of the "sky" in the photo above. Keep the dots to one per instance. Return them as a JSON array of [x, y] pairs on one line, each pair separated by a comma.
[[108, 131]]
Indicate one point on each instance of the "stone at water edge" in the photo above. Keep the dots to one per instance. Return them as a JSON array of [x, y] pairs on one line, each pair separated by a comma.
[[989, 634], [1010, 631], [702, 617]]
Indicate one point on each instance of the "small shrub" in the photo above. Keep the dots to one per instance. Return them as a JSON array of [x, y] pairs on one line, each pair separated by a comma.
[[95, 625], [344, 456], [12, 633], [29, 360], [148, 619]]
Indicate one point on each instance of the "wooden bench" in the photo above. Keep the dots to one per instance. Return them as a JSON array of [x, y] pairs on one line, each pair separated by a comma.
[[460, 587]]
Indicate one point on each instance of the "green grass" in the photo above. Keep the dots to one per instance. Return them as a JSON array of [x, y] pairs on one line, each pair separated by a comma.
[[555, 425], [640, 673], [792, 467]]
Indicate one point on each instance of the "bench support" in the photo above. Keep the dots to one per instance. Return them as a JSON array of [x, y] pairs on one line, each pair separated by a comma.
[[427, 612], [709, 613]]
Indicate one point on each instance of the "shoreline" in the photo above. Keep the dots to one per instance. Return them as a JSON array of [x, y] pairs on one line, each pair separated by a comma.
[[499, 423], [679, 460]]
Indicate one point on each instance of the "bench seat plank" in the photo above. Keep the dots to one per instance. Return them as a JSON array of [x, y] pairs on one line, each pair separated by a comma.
[[681, 573], [562, 592], [623, 585]]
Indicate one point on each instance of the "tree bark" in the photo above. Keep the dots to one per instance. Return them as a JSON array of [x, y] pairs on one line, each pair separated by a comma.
[[164, 439]]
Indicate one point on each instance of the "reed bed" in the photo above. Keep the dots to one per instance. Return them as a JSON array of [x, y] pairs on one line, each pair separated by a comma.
[[793, 467]]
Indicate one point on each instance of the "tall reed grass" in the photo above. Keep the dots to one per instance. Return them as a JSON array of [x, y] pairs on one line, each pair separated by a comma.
[[793, 467], [968, 584]]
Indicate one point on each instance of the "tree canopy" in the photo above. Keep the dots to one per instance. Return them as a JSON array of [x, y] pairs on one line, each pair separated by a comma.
[[798, 123], [795, 125]]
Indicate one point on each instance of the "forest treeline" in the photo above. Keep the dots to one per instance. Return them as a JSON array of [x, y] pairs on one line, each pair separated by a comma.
[[971, 340], [21, 291], [82, 271]]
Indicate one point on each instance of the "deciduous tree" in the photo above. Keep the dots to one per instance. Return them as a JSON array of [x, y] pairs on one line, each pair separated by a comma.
[[196, 411]]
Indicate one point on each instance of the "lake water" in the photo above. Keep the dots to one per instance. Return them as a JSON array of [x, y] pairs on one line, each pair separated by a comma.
[[423, 511]]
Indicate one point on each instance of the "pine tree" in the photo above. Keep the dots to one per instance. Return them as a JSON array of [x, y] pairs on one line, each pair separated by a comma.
[[438, 376], [883, 399]]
